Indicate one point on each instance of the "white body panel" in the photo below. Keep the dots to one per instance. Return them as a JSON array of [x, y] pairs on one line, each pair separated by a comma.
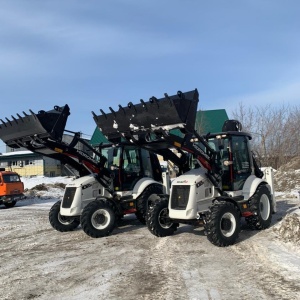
[[88, 189], [251, 185], [253, 182], [202, 192], [138, 188], [166, 183], [268, 176], [141, 185]]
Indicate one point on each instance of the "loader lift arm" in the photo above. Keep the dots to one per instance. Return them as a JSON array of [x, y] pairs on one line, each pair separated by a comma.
[[42, 133], [149, 125]]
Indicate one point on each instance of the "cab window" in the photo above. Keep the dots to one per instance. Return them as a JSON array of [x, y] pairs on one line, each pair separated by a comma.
[[8, 178], [241, 161]]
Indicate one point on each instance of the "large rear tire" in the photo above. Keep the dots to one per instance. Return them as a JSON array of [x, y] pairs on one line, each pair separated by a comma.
[[261, 206], [222, 224], [98, 219], [142, 201], [158, 220], [62, 223]]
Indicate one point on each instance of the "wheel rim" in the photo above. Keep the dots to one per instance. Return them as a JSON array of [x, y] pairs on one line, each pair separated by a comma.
[[100, 219], [65, 220], [264, 207], [228, 224], [163, 219]]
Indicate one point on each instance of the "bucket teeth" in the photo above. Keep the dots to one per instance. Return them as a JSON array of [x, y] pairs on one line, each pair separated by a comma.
[[177, 111], [20, 131]]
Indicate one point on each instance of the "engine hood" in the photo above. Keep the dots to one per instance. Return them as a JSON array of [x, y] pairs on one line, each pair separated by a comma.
[[191, 177]]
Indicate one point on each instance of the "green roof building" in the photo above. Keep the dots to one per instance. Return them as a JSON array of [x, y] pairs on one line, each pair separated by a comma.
[[210, 120], [98, 137], [206, 121]]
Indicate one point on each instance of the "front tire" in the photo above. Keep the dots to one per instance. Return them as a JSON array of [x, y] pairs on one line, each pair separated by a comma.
[[98, 219], [261, 206], [158, 220], [62, 223], [142, 201], [222, 224]]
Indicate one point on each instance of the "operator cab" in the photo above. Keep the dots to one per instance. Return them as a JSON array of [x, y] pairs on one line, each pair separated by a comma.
[[233, 156], [129, 164]]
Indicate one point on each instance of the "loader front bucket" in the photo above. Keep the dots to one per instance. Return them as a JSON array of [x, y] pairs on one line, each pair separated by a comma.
[[19, 131], [177, 111]]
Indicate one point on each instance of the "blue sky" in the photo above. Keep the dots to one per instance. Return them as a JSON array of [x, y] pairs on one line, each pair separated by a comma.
[[96, 54]]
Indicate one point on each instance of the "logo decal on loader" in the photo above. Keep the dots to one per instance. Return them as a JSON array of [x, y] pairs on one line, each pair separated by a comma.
[[182, 181], [201, 182], [86, 186]]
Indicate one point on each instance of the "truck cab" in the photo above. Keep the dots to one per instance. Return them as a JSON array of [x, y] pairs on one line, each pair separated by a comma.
[[11, 188]]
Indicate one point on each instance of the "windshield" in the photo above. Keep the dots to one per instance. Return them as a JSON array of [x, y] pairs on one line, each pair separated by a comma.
[[112, 155], [221, 146], [7, 178], [233, 158]]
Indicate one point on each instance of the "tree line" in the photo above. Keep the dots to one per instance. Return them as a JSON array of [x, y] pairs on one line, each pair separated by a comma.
[[274, 130]]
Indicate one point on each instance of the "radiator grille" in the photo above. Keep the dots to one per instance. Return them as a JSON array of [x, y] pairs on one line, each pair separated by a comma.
[[180, 196], [68, 197]]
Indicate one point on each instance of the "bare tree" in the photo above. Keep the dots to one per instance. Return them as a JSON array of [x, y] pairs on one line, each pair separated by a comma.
[[274, 130]]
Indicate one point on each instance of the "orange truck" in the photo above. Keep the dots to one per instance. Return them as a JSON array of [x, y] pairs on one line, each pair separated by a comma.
[[11, 188]]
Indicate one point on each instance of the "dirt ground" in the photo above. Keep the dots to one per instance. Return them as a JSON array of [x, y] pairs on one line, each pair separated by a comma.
[[38, 262]]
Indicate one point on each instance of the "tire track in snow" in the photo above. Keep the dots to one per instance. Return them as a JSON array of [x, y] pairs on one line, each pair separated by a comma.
[[196, 290], [154, 276], [277, 275]]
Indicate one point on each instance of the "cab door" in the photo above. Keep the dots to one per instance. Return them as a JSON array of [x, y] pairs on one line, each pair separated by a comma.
[[241, 161], [235, 161], [131, 167]]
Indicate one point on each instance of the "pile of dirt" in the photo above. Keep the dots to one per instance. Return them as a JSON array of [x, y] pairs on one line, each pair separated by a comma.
[[293, 164], [289, 229], [45, 187], [58, 185], [37, 191], [287, 177], [287, 181], [40, 187]]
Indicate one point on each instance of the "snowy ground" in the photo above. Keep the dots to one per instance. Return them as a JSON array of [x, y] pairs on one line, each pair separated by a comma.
[[38, 262]]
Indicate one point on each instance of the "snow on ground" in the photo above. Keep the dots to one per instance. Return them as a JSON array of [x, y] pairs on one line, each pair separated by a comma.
[[41, 263], [30, 182], [42, 187], [288, 229]]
